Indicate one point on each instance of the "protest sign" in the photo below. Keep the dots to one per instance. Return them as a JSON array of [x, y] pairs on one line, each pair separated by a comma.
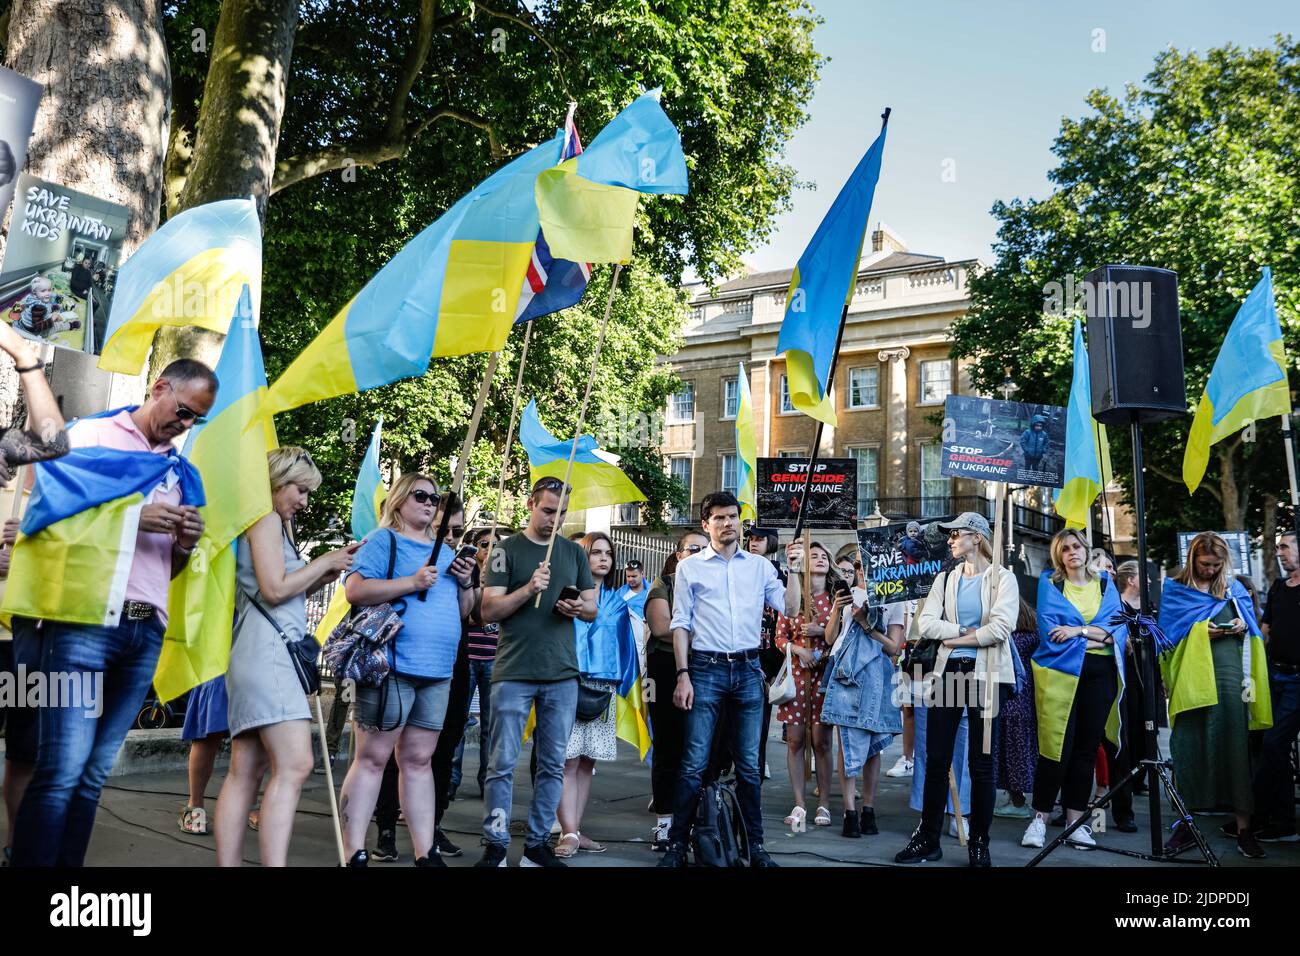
[[900, 560], [1011, 442], [832, 503]]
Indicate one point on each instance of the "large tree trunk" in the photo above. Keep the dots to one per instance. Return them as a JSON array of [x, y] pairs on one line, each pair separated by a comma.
[[1234, 493], [1270, 538], [102, 123], [238, 131]]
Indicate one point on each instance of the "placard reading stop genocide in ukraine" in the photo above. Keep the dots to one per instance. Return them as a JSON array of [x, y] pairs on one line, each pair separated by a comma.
[[1003, 441], [832, 502]]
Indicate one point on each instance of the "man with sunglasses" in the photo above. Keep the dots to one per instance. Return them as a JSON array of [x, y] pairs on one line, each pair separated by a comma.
[[634, 590], [536, 666], [77, 749], [717, 625]]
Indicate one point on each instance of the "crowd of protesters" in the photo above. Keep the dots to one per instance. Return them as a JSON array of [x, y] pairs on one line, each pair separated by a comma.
[[1041, 699]]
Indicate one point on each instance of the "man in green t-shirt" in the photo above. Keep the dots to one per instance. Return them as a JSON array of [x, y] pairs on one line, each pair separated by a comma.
[[536, 667]]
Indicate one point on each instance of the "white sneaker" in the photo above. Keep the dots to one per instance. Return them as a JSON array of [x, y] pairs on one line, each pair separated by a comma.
[[1081, 839], [1035, 834], [901, 768]]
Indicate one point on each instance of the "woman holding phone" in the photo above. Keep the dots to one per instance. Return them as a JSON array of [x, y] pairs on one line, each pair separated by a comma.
[[810, 642], [406, 713], [1216, 677]]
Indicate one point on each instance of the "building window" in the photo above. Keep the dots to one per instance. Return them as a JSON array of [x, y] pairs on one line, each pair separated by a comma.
[[729, 480], [936, 381], [627, 514], [730, 397], [681, 407], [680, 468], [793, 453], [864, 387], [935, 488], [786, 404], [868, 460]]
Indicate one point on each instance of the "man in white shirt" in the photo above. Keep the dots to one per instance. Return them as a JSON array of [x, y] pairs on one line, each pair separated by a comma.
[[717, 620]]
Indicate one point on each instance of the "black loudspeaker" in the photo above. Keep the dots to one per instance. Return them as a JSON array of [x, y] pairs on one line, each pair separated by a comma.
[[1135, 344]]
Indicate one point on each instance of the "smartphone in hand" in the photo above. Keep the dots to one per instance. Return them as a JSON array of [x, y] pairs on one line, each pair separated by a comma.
[[569, 593]]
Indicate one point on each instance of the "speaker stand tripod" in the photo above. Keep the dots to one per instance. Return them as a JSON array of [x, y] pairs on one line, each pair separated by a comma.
[[1157, 769]]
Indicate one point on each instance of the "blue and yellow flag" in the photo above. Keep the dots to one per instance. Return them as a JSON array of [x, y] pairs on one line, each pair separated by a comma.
[[367, 497], [821, 287], [596, 478], [1248, 381], [588, 203], [1087, 451], [189, 272], [1057, 667], [746, 449], [230, 453], [607, 651], [77, 541], [1188, 669]]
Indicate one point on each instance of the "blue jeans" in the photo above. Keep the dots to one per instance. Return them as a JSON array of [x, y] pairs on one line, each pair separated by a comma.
[[480, 676], [739, 684], [557, 707], [1274, 785], [77, 748]]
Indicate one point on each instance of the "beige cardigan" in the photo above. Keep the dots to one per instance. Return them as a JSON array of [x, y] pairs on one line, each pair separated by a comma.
[[937, 620]]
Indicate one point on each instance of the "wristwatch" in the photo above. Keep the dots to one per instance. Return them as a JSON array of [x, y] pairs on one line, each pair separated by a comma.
[[963, 631]]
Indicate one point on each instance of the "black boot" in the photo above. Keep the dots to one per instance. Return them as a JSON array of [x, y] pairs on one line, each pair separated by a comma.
[[978, 848], [923, 847], [360, 858], [851, 828], [868, 823]]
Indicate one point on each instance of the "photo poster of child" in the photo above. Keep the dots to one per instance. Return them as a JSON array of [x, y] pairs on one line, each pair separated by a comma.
[[19, 98], [60, 264]]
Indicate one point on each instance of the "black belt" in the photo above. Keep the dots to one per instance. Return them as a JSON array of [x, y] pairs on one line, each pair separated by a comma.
[[728, 657], [1290, 670], [137, 611]]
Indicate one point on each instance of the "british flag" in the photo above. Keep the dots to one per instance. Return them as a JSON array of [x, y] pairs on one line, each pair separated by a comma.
[[553, 284]]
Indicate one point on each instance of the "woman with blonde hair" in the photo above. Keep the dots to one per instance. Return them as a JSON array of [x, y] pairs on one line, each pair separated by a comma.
[[1216, 677], [406, 712], [971, 611], [269, 719], [1078, 681]]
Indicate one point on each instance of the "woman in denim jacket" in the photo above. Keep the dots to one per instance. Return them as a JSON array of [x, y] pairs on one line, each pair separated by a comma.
[[859, 702]]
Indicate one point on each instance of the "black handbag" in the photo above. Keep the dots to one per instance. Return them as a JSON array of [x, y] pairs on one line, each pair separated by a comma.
[[302, 652], [593, 704], [922, 653]]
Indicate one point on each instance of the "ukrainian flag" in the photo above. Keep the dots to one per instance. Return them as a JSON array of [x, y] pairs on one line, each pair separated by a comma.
[[1248, 381], [1057, 666], [188, 273], [1188, 669], [746, 449], [821, 287], [231, 457], [588, 203], [368, 495], [77, 540], [596, 479], [1087, 452]]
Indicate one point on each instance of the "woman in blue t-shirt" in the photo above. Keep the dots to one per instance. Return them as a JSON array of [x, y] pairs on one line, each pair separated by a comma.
[[406, 712]]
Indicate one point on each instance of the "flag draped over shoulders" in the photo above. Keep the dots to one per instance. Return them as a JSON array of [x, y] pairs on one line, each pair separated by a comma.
[[607, 650], [1188, 669], [1058, 666]]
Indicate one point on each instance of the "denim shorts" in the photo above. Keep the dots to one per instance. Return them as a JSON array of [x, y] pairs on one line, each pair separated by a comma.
[[399, 701]]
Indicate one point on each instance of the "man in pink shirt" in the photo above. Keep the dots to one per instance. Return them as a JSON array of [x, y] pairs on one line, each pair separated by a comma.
[[77, 746]]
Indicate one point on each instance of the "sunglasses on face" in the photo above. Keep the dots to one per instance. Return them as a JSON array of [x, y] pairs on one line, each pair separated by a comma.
[[424, 497], [693, 548], [953, 535], [187, 414], [455, 531]]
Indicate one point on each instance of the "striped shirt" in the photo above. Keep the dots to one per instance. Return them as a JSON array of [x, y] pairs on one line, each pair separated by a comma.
[[482, 643]]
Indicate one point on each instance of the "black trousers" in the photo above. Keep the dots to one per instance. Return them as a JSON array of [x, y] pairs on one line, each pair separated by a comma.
[[444, 755], [1131, 736], [1084, 731], [943, 720]]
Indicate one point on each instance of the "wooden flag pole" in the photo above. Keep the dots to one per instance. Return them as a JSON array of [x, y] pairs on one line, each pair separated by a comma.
[[510, 433], [995, 569], [955, 794], [329, 782], [810, 616], [582, 416]]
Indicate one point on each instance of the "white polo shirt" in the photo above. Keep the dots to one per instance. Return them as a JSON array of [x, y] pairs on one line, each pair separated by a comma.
[[720, 600]]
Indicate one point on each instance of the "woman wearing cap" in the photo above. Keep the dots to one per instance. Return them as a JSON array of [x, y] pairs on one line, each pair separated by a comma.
[[1217, 681], [1078, 680], [971, 610]]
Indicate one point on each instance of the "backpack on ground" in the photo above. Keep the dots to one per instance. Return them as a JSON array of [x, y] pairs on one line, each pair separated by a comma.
[[718, 838]]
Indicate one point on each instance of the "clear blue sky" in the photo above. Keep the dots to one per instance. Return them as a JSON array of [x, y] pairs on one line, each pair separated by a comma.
[[985, 85]]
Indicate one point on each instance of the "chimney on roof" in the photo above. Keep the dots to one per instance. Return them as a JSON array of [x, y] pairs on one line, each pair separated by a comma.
[[884, 239]]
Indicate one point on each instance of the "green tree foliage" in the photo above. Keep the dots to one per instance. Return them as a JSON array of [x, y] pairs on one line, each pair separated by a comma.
[[1195, 171]]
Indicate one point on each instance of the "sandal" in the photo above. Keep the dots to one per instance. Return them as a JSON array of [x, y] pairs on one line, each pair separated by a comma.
[[587, 845], [564, 850], [823, 818], [253, 816], [796, 817], [194, 820]]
